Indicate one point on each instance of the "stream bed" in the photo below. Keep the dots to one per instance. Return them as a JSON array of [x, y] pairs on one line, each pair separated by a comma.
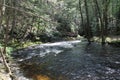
[[69, 60]]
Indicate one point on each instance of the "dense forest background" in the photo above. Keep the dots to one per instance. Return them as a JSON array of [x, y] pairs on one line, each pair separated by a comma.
[[51, 20], [57, 20]]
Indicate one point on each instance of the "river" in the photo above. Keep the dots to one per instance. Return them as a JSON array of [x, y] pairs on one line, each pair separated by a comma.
[[69, 60]]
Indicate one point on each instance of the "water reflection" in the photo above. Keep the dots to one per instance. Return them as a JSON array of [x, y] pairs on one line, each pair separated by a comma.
[[40, 72], [41, 77]]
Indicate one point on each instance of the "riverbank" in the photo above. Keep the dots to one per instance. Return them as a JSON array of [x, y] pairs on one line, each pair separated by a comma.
[[17, 73], [3, 74], [10, 61]]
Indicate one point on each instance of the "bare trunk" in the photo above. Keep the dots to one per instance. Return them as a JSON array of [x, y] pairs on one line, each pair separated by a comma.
[[88, 27], [14, 18], [97, 20], [101, 22], [81, 15]]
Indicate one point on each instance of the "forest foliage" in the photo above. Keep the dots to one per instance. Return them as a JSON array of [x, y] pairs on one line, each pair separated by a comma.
[[49, 20]]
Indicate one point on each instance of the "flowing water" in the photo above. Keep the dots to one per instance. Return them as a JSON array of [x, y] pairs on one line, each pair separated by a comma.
[[70, 60]]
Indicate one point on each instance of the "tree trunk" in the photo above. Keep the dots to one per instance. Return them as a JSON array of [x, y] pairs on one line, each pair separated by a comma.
[[88, 27], [105, 15], [82, 18], [97, 20], [14, 18], [101, 23]]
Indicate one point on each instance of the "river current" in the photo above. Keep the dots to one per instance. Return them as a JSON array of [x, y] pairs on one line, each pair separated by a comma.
[[69, 60]]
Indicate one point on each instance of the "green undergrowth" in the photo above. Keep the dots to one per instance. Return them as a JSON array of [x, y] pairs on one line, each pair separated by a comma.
[[17, 45], [14, 45], [8, 50]]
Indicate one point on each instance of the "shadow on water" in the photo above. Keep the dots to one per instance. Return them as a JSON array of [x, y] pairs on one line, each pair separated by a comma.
[[39, 72], [81, 62]]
